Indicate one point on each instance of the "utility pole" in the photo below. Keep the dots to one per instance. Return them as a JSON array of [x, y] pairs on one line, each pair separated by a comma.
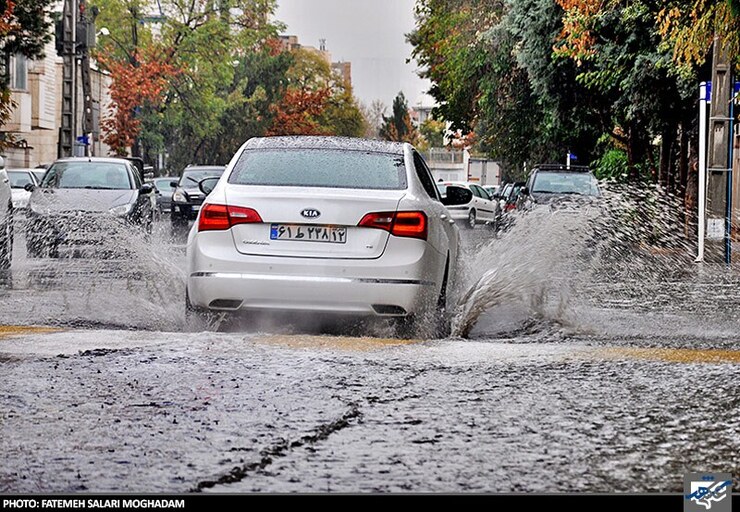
[[69, 79], [86, 20], [718, 164]]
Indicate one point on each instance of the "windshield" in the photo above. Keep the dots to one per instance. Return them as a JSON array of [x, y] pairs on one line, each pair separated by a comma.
[[92, 175], [580, 183], [191, 177], [19, 179], [320, 168]]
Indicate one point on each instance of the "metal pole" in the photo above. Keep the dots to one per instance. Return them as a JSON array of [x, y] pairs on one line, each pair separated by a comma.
[[567, 161], [728, 220], [704, 98]]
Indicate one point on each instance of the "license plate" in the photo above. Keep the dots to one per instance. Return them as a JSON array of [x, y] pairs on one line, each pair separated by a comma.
[[303, 233]]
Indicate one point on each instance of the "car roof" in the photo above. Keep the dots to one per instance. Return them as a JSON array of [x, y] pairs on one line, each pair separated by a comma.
[[560, 168], [94, 159], [318, 142], [203, 167]]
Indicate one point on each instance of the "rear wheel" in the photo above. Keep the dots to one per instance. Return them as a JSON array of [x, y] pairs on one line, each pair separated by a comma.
[[195, 315], [471, 220]]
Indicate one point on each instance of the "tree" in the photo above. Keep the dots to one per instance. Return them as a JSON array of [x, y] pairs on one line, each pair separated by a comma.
[[398, 126], [229, 72], [433, 133], [317, 101], [373, 118], [136, 84]]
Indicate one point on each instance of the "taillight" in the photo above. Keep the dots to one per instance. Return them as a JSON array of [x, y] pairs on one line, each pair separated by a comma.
[[509, 206], [218, 217], [405, 224]]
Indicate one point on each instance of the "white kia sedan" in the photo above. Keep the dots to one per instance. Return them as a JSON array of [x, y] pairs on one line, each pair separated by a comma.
[[325, 225]]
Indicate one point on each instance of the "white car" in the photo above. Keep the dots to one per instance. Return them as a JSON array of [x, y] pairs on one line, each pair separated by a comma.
[[325, 225], [482, 208], [19, 178]]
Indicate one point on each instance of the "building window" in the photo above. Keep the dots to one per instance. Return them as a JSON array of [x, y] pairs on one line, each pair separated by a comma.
[[19, 72]]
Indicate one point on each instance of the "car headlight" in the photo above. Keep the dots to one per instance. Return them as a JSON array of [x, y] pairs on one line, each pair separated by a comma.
[[179, 197], [121, 209]]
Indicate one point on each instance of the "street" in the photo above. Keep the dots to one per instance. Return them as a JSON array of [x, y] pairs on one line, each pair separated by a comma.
[[607, 380]]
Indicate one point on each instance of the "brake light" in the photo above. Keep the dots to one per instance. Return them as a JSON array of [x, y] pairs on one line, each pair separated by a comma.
[[404, 224], [218, 217]]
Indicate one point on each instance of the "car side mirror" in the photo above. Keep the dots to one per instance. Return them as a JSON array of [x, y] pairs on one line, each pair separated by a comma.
[[174, 184], [524, 191], [457, 196], [207, 185], [28, 187], [146, 188]]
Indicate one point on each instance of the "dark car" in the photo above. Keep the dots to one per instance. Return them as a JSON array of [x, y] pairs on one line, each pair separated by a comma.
[[87, 202], [187, 198], [557, 184], [164, 190]]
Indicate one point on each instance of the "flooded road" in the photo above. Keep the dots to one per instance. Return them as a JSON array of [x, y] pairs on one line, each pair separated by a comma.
[[569, 371]]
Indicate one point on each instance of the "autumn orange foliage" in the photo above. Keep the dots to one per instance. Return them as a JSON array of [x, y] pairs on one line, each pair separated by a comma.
[[141, 81], [576, 40], [297, 112]]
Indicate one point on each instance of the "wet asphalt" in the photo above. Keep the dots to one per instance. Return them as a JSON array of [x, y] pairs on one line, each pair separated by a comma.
[[630, 384]]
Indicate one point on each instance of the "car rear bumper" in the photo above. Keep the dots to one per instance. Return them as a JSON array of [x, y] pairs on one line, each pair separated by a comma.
[[220, 278]]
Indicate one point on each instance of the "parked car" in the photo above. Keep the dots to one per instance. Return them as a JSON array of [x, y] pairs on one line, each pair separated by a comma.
[[6, 219], [83, 201], [325, 225], [19, 178], [556, 184], [39, 172], [482, 208], [187, 197], [164, 190], [493, 190]]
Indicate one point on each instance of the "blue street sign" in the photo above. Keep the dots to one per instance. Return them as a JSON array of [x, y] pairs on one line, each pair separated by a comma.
[[84, 139]]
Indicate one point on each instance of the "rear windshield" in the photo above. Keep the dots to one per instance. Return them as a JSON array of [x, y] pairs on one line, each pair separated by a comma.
[[320, 168], [191, 177], [579, 183]]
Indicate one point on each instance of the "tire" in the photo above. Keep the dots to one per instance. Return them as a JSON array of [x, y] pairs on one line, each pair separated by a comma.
[[470, 224], [179, 225], [443, 320], [6, 242], [434, 323], [195, 315]]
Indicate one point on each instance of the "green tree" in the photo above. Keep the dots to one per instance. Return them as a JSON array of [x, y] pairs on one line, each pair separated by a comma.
[[433, 133], [398, 126]]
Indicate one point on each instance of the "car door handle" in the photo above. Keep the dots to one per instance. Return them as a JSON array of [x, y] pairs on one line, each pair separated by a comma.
[[451, 221], [443, 217]]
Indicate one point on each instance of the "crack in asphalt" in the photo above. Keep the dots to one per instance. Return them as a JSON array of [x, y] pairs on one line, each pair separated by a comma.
[[281, 449]]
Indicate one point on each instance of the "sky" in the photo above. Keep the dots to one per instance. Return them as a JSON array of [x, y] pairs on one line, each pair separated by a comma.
[[368, 33]]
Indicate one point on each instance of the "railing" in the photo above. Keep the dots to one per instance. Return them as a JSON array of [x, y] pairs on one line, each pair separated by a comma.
[[443, 156]]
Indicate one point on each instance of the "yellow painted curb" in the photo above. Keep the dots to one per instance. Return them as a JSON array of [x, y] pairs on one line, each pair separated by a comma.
[[675, 355], [333, 342], [18, 330]]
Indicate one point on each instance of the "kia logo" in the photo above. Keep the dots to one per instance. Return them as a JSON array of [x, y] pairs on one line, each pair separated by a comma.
[[310, 213]]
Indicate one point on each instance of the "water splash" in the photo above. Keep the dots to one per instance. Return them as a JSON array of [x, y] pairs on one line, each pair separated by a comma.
[[631, 250]]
